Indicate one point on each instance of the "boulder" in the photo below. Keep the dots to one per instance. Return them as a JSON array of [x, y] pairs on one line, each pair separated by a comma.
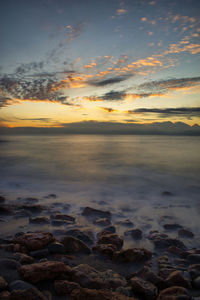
[[74, 245], [111, 238], [92, 212], [64, 287], [43, 271], [35, 241], [87, 294], [89, 277], [144, 288], [174, 293], [132, 255]]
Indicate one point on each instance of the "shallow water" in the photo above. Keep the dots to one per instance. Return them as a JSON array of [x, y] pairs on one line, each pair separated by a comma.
[[125, 174]]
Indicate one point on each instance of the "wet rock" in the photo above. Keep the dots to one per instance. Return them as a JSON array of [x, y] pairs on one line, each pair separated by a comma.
[[102, 222], [163, 241], [35, 241], [177, 278], [64, 287], [174, 293], [8, 269], [52, 196], [147, 274], [23, 258], [5, 295], [20, 285], [43, 271], [87, 294], [105, 249], [126, 222], [34, 208], [39, 253], [194, 258], [74, 245], [136, 234], [89, 277], [2, 199], [167, 193], [63, 217], [9, 263], [194, 270], [132, 255], [196, 283], [110, 229], [30, 294], [39, 220], [56, 248], [177, 251], [30, 200], [92, 212], [185, 233], [144, 288], [173, 226], [113, 239], [84, 236], [6, 209], [3, 283]]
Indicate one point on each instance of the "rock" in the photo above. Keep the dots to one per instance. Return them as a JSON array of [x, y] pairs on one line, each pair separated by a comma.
[[194, 270], [89, 277], [9, 263], [144, 288], [2, 199], [34, 208], [23, 258], [39, 220], [172, 226], [74, 245], [167, 193], [124, 290], [39, 253], [102, 222], [132, 255], [110, 229], [6, 209], [113, 239], [126, 222], [20, 285], [63, 217], [92, 212], [196, 282], [177, 251], [60, 222], [86, 294], [105, 249], [31, 294], [194, 258], [56, 248], [64, 287], [84, 236], [35, 241], [185, 233], [147, 274], [3, 283], [136, 234], [8, 269], [174, 293], [177, 278], [5, 295], [43, 271], [163, 241]]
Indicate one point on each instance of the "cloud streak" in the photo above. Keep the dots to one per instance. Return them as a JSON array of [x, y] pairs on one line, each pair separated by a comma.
[[169, 112]]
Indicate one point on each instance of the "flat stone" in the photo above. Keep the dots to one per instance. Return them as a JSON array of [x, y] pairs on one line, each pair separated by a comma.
[[35, 241], [43, 271], [74, 245]]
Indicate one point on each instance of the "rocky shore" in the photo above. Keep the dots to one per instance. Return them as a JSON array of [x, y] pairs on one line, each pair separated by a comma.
[[72, 261]]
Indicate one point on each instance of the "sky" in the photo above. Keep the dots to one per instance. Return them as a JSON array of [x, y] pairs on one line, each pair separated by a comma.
[[130, 61]]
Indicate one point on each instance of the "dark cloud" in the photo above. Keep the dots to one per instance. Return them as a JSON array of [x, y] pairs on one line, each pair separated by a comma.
[[169, 84], [113, 96], [108, 81], [35, 119], [108, 109], [170, 112]]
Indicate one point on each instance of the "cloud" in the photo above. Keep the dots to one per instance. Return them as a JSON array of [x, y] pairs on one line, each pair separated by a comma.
[[187, 112], [121, 11], [108, 81], [109, 109], [36, 119], [74, 31]]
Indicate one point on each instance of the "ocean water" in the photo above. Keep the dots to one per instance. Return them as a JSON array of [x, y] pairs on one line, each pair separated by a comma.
[[127, 175]]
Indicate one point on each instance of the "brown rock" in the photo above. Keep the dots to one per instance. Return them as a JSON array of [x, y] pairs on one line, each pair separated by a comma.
[[74, 245], [177, 251], [23, 258], [194, 270], [144, 288], [186, 233], [64, 287], [3, 283], [31, 294], [174, 293], [35, 240], [63, 217], [102, 222], [86, 294], [132, 255], [147, 274], [5, 295], [43, 271], [39, 220], [92, 212], [176, 278], [89, 277], [111, 238], [105, 249]]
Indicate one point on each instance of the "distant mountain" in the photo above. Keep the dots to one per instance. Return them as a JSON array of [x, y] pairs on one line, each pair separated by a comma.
[[93, 127]]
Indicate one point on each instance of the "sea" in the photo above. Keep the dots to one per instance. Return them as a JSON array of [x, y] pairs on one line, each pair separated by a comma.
[[146, 179]]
